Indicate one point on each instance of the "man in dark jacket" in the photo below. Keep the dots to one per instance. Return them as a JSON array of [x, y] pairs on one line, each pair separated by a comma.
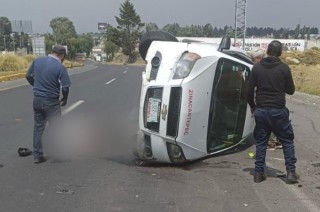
[[48, 76], [273, 80]]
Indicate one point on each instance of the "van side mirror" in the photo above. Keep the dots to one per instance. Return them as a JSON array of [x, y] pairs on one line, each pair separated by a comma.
[[225, 43]]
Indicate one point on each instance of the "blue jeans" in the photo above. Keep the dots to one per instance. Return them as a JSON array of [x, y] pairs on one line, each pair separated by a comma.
[[45, 109], [277, 121]]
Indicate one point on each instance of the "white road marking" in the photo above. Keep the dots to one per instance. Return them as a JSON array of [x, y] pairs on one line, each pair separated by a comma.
[[69, 109], [107, 83], [125, 72], [72, 107]]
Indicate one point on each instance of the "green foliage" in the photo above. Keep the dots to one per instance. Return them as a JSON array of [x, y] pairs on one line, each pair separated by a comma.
[[174, 29], [73, 47], [49, 42], [151, 27], [297, 32], [130, 27], [63, 29], [79, 44], [5, 26], [114, 35], [110, 49], [85, 43]]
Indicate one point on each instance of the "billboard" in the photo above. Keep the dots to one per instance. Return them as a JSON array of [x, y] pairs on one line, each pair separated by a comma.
[[102, 27], [21, 26], [288, 44], [254, 43]]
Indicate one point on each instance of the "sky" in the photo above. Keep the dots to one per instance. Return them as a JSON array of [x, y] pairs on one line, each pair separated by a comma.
[[86, 14]]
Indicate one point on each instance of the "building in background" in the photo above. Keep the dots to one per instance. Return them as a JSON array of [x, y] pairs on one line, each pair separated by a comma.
[[38, 46]]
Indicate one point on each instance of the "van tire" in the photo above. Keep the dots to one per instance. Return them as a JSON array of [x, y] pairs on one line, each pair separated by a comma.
[[148, 37]]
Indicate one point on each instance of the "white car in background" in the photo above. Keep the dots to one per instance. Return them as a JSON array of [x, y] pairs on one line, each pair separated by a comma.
[[193, 98]]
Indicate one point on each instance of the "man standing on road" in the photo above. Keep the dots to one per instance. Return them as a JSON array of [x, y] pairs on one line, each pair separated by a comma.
[[273, 80], [47, 75], [257, 55]]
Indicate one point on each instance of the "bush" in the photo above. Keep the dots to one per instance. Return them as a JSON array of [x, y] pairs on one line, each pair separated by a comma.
[[307, 78], [308, 57], [9, 62], [70, 64], [29, 58]]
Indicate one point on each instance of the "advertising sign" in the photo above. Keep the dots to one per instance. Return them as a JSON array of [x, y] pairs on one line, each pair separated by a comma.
[[102, 27]]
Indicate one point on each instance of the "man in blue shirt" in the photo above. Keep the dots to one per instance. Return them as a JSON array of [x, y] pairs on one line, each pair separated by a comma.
[[47, 75]]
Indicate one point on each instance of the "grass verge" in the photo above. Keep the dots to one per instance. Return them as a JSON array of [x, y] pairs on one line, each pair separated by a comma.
[[14, 67]]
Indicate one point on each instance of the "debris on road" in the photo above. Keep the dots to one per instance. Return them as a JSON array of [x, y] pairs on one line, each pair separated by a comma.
[[140, 162], [1, 165], [245, 205], [251, 154], [63, 190], [23, 152]]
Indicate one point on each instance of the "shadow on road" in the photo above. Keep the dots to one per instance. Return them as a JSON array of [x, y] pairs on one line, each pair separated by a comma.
[[130, 160]]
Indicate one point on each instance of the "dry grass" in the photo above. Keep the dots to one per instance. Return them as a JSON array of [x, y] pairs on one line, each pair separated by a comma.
[[72, 64], [13, 63], [14, 67], [308, 57], [307, 78], [120, 58], [305, 68]]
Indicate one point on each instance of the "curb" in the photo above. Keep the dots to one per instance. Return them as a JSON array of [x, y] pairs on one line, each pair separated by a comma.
[[22, 75], [12, 77]]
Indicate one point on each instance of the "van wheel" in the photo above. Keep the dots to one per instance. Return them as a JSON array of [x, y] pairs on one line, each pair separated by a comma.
[[148, 37]]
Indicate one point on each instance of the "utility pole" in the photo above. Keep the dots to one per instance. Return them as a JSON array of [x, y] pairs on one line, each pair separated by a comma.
[[4, 41], [240, 22]]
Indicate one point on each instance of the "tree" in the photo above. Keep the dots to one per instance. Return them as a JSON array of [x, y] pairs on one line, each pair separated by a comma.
[[63, 29], [114, 35], [85, 44], [151, 27], [208, 30], [297, 32], [172, 28], [110, 49], [73, 47], [5, 26], [5, 31], [130, 25], [49, 40]]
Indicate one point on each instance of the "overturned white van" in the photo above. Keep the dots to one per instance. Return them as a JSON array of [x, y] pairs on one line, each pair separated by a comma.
[[193, 98]]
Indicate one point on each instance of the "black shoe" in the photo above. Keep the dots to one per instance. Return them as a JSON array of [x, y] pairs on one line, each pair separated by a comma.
[[292, 177], [40, 159], [259, 177]]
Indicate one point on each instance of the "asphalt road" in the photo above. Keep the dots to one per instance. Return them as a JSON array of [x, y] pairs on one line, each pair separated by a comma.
[[99, 126]]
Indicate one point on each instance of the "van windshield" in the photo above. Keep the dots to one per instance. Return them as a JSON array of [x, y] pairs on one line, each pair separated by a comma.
[[228, 105]]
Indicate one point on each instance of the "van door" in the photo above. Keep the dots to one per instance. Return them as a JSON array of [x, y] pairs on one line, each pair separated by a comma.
[[228, 105]]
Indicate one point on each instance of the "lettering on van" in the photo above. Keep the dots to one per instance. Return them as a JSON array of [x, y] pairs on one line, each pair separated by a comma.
[[189, 116]]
